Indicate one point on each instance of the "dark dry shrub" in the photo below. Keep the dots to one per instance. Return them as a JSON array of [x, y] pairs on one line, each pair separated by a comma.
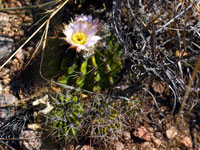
[[161, 43]]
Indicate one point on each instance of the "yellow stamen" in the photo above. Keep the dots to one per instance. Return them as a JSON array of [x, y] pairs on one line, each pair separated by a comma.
[[79, 38]]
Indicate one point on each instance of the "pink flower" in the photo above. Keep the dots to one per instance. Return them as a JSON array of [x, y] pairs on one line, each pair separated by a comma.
[[81, 33]]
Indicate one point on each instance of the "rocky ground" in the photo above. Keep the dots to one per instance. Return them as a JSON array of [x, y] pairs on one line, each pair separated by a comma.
[[152, 129]]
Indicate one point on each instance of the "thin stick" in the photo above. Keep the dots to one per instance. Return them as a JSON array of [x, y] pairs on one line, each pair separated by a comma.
[[36, 49], [8, 146], [18, 139], [195, 5], [187, 91], [23, 45]]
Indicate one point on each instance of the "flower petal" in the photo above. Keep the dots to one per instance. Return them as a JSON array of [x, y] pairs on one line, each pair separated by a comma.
[[85, 26], [93, 40]]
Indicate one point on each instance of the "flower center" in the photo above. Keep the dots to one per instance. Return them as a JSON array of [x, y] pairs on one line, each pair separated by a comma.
[[79, 38]]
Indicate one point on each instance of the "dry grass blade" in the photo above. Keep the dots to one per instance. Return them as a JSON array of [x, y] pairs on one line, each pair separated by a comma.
[[196, 68], [173, 19], [11, 148], [195, 5], [51, 16]]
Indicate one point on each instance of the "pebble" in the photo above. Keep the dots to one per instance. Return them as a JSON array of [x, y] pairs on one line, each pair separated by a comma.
[[6, 29], [119, 146], [4, 19], [171, 133], [187, 142], [21, 32], [7, 99], [11, 33], [86, 147], [6, 76], [156, 141], [3, 72], [6, 81], [18, 4], [12, 26], [20, 55], [126, 135], [6, 45], [14, 62], [69, 147], [35, 143], [15, 23], [6, 89], [12, 4], [147, 146], [28, 19], [143, 133]]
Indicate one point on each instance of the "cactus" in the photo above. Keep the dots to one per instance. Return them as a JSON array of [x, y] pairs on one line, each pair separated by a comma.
[[96, 72], [74, 116], [102, 115], [66, 116]]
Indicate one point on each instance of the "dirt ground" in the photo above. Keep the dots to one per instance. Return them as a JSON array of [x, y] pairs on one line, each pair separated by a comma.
[[160, 42]]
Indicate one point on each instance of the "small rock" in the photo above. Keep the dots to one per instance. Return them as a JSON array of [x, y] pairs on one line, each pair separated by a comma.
[[147, 146], [15, 23], [150, 129], [10, 99], [21, 32], [6, 29], [11, 33], [6, 90], [87, 147], [143, 134], [187, 142], [27, 54], [119, 146], [158, 87], [14, 62], [20, 55], [18, 4], [7, 99], [6, 81], [158, 134], [11, 4], [6, 45], [17, 38], [6, 76], [156, 141], [4, 72], [4, 19], [69, 147], [30, 49], [28, 19], [126, 135], [171, 133], [139, 132], [33, 144]]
